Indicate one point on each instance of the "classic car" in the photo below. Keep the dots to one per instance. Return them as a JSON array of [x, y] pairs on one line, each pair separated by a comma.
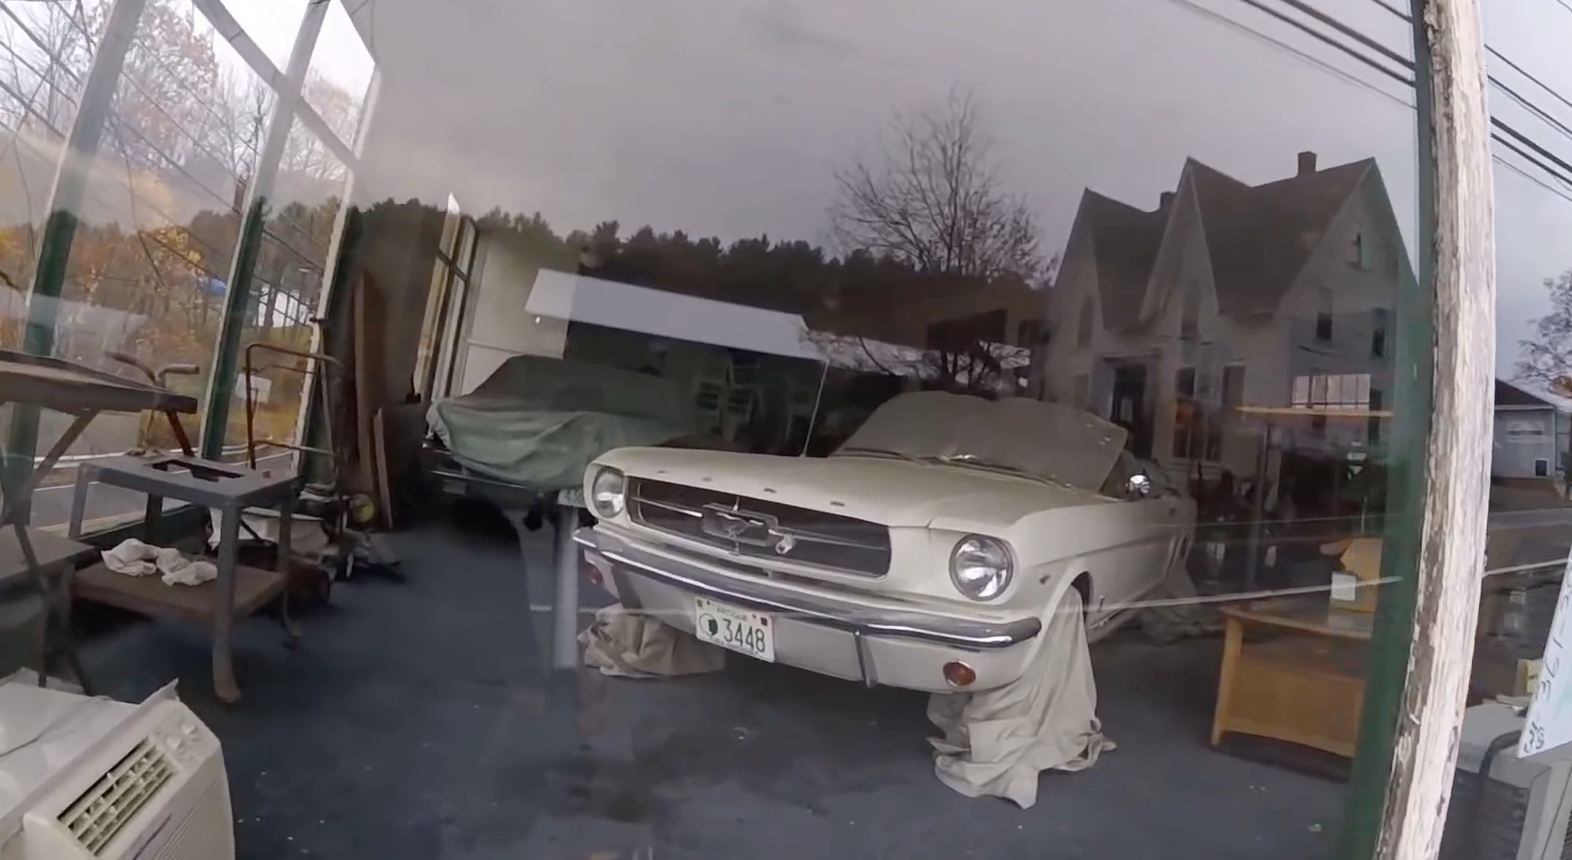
[[929, 552]]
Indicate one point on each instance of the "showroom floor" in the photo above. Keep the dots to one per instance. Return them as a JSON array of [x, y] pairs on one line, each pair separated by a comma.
[[413, 725]]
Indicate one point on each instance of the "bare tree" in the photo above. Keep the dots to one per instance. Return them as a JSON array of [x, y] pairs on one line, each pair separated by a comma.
[[934, 199]]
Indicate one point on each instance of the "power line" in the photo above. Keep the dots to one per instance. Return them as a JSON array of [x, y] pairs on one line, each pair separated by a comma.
[[1495, 122], [1286, 48], [1531, 178], [1520, 70]]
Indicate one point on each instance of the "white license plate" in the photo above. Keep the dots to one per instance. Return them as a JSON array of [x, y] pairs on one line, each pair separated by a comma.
[[740, 630]]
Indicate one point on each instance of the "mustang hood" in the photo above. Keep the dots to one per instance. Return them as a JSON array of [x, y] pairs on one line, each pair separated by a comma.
[[1049, 440], [883, 490]]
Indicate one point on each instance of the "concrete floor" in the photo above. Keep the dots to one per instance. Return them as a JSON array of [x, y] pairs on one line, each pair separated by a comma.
[[414, 724]]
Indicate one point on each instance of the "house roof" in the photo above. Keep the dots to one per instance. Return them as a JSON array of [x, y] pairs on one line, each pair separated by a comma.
[[1508, 394], [1124, 241], [1258, 237]]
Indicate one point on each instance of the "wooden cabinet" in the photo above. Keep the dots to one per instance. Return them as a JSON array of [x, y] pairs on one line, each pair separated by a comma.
[[1293, 671]]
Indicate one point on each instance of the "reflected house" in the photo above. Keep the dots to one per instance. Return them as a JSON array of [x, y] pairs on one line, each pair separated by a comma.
[[1531, 435], [1227, 295]]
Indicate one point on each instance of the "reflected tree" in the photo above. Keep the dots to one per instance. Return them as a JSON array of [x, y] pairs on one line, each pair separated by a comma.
[[1545, 359], [933, 199]]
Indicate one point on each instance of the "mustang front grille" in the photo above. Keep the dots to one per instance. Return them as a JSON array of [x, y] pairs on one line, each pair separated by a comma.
[[758, 528]]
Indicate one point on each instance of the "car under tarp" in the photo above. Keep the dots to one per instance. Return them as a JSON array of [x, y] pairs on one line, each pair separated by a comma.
[[538, 422]]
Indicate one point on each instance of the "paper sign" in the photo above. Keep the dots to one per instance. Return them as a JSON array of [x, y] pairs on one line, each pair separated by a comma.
[[1549, 723]]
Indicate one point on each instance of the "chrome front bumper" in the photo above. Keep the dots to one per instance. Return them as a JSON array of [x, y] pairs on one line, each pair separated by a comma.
[[823, 610]]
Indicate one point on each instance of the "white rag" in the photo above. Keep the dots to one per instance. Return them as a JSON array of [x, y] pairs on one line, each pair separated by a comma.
[[135, 558], [996, 743], [628, 644]]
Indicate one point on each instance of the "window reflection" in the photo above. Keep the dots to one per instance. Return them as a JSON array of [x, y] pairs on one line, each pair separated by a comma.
[[761, 230], [1529, 530]]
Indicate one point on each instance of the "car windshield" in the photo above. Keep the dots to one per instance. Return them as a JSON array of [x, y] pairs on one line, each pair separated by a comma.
[[1050, 441]]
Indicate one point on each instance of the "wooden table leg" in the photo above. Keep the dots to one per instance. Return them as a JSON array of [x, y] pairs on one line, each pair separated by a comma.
[[223, 614], [1233, 642]]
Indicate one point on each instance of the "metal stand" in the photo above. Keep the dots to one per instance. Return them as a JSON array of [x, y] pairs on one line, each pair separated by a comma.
[[560, 644], [565, 603], [227, 488]]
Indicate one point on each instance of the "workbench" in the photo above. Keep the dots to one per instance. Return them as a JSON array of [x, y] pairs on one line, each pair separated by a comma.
[[41, 382]]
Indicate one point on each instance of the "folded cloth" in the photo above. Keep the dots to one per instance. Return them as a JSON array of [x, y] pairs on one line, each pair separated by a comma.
[[135, 558], [132, 558], [179, 570], [628, 644], [997, 743]]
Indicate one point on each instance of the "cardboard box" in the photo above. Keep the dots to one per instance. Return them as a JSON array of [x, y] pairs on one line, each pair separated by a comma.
[[1527, 676], [1354, 587]]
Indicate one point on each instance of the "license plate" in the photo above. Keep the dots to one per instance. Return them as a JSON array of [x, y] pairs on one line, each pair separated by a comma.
[[750, 633]]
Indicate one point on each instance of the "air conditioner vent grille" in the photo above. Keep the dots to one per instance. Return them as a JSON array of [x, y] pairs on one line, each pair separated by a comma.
[[117, 796]]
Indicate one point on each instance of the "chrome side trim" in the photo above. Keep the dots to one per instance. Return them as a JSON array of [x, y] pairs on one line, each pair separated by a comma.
[[825, 611]]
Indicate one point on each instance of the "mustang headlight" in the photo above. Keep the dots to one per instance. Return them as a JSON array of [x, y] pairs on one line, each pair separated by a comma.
[[607, 496], [981, 567]]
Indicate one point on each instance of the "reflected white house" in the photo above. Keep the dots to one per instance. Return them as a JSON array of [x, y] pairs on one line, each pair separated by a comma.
[[1227, 294]]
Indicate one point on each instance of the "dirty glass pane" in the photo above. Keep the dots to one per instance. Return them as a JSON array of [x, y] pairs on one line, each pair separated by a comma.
[[339, 75], [1530, 517], [159, 213], [904, 349], [272, 25]]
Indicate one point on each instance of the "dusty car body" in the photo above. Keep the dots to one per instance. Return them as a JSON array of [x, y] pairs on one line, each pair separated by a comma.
[[929, 552]]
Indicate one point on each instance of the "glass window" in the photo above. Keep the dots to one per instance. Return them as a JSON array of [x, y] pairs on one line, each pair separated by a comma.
[[272, 25], [150, 258], [339, 76], [776, 263], [286, 292], [45, 52], [1529, 536]]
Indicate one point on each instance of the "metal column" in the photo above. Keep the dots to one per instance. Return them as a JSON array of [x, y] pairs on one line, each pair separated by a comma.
[[65, 202], [221, 381], [565, 597]]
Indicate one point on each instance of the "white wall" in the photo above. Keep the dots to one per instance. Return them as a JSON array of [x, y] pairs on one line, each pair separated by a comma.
[[496, 324], [1521, 438]]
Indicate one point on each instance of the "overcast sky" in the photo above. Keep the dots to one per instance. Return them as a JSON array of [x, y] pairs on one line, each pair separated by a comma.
[[727, 117]]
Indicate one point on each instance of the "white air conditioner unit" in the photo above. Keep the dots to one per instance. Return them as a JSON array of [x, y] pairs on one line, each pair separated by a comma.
[[1504, 807], [94, 779]]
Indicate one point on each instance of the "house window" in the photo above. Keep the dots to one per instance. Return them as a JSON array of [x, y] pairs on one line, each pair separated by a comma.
[[1027, 333], [1334, 391], [1323, 317], [1190, 318], [1378, 322], [1083, 330], [1358, 252], [1188, 421], [1233, 386], [1541, 468], [1184, 427], [1373, 423]]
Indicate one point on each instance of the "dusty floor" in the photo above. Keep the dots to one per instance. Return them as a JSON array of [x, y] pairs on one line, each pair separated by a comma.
[[414, 724]]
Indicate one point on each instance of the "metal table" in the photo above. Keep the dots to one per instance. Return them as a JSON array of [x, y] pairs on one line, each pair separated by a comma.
[[81, 392], [228, 488]]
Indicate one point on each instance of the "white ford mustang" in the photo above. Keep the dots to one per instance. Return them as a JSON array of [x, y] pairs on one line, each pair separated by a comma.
[[928, 553]]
